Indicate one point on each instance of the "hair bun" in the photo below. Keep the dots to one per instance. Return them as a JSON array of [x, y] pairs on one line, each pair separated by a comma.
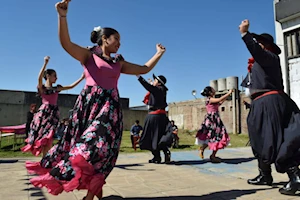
[[206, 91], [94, 37]]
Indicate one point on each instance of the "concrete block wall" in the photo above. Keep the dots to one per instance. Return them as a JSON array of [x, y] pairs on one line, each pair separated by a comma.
[[14, 106]]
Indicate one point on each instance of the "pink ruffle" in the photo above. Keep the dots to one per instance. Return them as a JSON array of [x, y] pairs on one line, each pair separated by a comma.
[[35, 168], [85, 178], [214, 146], [37, 147]]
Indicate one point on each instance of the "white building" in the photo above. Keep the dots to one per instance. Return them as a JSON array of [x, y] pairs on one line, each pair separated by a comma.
[[287, 27]]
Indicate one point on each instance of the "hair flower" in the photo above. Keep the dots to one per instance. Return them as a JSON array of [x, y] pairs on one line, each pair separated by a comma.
[[97, 29]]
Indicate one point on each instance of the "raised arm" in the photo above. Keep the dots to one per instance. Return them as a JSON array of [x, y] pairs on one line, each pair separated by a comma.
[[130, 68], [152, 89], [41, 74], [221, 99], [72, 85], [79, 53], [259, 54]]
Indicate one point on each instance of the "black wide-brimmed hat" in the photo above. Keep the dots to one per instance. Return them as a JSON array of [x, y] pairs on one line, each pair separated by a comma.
[[266, 38], [161, 79]]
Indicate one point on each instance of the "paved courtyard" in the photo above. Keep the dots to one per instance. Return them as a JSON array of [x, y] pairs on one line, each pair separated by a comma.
[[187, 178]]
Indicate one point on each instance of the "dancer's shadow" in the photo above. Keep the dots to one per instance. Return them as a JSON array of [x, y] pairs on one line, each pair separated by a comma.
[[232, 161], [127, 167], [184, 146], [235, 161], [229, 194], [279, 184], [32, 189], [37, 194], [24, 179], [8, 161]]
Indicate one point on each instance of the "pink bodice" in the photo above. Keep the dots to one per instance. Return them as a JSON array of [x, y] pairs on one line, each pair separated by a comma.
[[212, 107], [101, 73], [50, 98]]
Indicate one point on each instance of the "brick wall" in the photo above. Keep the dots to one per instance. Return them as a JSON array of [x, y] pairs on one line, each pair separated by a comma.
[[190, 114]]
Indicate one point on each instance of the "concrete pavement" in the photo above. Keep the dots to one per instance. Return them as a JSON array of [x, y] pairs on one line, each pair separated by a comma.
[[187, 178]]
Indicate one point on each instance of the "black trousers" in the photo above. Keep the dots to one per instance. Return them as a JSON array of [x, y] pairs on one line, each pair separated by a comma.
[[156, 153], [262, 166], [132, 141], [273, 126], [265, 168]]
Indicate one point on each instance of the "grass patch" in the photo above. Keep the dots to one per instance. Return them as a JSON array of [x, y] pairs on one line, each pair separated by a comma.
[[186, 143]]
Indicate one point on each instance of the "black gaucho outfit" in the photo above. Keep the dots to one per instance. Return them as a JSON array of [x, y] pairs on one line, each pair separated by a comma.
[[273, 121], [157, 132], [29, 119]]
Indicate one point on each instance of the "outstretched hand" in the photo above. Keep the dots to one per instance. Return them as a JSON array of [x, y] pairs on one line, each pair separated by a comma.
[[62, 7]]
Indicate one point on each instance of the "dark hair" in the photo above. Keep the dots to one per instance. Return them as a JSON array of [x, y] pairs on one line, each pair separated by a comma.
[[48, 72], [96, 36], [206, 91], [137, 121], [172, 121]]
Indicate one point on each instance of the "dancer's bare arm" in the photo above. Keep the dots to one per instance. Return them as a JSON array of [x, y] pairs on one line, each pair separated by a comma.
[[221, 99], [134, 69], [41, 74], [79, 53], [72, 85]]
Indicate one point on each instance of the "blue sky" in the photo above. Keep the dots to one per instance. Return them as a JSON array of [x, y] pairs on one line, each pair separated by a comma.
[[201, 37]]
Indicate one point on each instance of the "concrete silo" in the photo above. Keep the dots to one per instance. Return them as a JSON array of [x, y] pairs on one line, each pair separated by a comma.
[[214, 84], [221, 84], [232, 82]]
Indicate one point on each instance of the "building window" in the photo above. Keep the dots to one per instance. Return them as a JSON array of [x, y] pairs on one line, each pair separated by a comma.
[[292, 41], [222, 109]]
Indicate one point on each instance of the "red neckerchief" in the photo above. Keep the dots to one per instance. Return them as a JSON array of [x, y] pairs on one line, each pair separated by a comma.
[[251, 61], [250, 64], [146, 98]]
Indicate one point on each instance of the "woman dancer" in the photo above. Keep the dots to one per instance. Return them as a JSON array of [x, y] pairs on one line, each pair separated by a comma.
[[88, 151], [212, 132], [45, 121]]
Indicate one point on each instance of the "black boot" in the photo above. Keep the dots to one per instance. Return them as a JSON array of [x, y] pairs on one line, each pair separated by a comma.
[[167, 157], [264, 178], [294, 185], [156, 157], [155, 160]]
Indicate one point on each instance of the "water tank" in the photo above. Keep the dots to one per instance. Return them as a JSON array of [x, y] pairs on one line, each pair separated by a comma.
[[232, 82], [221, 84], [214, 84]]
